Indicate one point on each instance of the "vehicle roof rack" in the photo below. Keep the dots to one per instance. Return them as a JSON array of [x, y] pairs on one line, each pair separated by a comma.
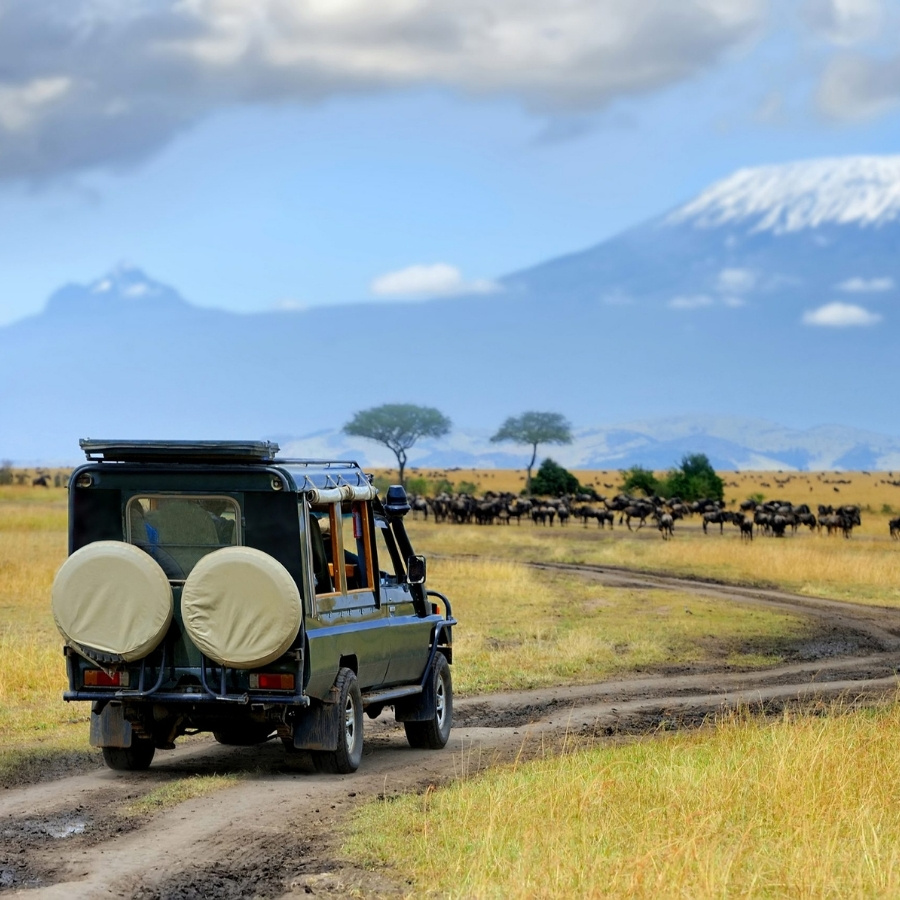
[[259, 452]]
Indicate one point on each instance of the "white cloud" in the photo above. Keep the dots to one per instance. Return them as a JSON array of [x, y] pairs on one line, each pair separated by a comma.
[[435, 280], [840, 315], [734, 302], [855, 87], [845, 22], [95, 82], [693, 301], [866, 285], [736, 281], [22, 104]]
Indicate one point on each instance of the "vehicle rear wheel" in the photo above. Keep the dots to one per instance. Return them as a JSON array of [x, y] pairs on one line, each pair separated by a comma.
[[434, 733], [135, 758], [348, 755]]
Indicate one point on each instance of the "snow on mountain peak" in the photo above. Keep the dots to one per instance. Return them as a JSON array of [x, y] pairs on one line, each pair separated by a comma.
[[124, 287], [855, 190]]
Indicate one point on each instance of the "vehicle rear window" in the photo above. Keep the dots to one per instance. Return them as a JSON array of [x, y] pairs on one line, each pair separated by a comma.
[[179, 531]]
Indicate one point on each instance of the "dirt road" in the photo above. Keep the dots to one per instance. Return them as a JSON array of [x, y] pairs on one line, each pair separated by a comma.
[[271, 833]]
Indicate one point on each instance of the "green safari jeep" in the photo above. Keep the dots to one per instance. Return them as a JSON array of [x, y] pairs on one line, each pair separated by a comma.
[[211, 586]]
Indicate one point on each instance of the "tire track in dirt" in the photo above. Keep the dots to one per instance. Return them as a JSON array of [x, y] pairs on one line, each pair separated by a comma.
[[274, 832]]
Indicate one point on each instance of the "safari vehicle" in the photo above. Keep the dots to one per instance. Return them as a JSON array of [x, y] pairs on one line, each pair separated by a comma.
[[211, 586]]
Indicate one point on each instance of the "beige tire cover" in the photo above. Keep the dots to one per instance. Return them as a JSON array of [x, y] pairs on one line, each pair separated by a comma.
[[241, 607], [112, 597]]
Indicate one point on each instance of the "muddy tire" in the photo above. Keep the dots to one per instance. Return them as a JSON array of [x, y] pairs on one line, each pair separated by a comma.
[[434, 733], [349, 709], [135, 758]]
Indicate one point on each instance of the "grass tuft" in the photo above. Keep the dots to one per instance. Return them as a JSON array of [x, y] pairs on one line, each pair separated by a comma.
[[179, 791]]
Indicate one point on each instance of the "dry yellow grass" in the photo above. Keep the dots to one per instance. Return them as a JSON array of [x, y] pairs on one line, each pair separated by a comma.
[[747, 809], [524, 629]]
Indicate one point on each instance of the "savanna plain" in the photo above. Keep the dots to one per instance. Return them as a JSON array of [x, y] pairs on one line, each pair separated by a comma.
[[803, 801]]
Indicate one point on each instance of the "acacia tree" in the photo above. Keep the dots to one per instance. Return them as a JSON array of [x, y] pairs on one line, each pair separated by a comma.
[[398, 426], [535, 428]]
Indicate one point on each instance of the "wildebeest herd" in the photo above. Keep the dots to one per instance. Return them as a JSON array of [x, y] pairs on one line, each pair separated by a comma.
[[774, 518]]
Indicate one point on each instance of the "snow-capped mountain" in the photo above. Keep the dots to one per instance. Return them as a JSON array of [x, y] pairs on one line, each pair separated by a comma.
[[771, 296], [123, 289], [856, 190]]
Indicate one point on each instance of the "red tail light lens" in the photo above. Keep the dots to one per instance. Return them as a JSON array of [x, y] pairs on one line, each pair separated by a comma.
[[271, 681], [99, 678]]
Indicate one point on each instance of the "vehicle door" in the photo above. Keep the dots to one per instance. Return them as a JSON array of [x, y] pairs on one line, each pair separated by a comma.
[[348, 619]]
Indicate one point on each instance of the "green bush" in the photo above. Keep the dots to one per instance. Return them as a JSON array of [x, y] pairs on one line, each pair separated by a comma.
[[552, 480], [695, 479], [637, 479], [418, 485], [6, 472]]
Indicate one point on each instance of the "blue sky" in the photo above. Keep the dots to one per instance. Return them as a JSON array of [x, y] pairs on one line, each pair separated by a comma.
[[304, 152]]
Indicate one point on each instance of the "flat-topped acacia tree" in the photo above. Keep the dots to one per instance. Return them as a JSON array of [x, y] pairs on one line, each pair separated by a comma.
[[398, 426], [535, 428]]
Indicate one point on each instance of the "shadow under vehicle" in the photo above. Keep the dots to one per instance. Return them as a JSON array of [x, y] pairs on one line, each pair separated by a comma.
[[211, 586]]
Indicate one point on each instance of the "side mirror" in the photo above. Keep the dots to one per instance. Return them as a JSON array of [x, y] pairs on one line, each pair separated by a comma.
[[415, 570]]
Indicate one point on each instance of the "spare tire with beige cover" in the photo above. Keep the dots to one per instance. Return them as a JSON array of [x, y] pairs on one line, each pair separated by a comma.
[[112, 602], [241, 607]]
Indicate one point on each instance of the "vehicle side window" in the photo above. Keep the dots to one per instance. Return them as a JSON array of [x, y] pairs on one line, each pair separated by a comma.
[[179, 531], [356, 530], [390, 569], [324, 538]]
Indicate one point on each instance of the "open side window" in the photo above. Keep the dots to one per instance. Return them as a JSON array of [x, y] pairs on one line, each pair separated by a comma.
[[356, 532], [324, 536], [341, 544]]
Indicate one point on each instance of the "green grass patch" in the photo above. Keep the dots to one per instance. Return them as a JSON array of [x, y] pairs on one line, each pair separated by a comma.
[[179, 791], [807, 806]]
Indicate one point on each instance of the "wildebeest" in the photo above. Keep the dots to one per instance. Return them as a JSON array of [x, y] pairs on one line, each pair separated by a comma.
[[718, 517], [666, 526], [894, 526]]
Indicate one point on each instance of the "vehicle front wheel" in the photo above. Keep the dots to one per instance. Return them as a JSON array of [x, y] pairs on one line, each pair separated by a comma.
[[135, 758], [434, 733], [348, 755]]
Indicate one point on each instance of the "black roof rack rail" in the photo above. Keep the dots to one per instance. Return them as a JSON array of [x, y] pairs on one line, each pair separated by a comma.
[[259, 452]]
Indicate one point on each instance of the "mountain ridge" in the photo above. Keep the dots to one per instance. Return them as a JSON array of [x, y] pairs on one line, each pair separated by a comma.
[[797, 327]]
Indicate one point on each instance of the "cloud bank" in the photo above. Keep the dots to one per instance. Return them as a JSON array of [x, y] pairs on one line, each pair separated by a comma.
[[88, 83]]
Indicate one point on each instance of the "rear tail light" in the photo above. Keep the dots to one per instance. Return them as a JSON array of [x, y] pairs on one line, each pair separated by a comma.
[[271, 681], [99, 678], [434, 609]]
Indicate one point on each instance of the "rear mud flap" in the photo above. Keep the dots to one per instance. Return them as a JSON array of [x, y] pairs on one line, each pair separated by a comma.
[[109, 727], [318, 728]]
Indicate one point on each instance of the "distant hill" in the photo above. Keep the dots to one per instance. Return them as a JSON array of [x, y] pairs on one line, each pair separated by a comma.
[[730, 443], [771, 296]]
